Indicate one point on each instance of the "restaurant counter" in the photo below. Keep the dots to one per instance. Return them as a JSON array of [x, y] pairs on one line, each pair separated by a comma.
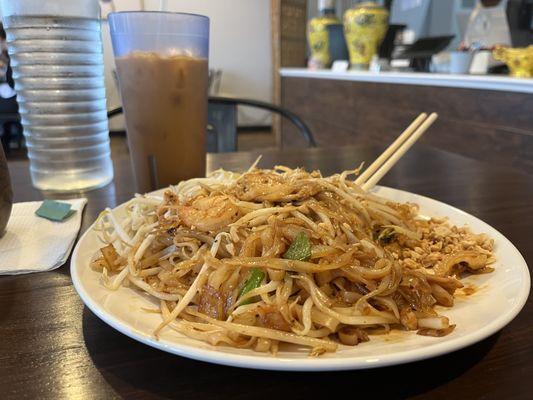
[[492, 113]]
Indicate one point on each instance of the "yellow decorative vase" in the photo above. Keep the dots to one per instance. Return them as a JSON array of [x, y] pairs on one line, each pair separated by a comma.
[[365, 26], [318, 36], [518, 59]]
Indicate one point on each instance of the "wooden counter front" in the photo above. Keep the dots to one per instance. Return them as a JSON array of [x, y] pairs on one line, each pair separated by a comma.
[[488, 125]]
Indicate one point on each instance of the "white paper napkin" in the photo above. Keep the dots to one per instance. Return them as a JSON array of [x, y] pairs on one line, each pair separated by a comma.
[[34, 244]]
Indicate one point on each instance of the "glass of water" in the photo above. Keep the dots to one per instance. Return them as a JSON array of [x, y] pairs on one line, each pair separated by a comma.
[[56, 55]]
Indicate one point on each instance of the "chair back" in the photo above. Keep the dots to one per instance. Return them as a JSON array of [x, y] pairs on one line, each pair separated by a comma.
[[222, 122]]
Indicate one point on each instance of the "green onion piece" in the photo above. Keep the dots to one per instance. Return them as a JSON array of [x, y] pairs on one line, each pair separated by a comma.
[[300, 248], [253, 282]]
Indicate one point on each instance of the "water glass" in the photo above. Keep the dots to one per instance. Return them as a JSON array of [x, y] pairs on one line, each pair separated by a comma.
[[56, 55]]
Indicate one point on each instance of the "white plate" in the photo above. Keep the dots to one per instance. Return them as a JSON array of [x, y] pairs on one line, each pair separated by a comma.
[[499, 298]]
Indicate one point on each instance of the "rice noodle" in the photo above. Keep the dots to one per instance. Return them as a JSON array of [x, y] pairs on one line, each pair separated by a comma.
[[271, 334], [306, 318], [286, 256]]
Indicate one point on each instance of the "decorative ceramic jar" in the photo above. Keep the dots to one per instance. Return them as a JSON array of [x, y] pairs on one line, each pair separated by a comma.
[[518, 59], [318, 35], [365, 26]]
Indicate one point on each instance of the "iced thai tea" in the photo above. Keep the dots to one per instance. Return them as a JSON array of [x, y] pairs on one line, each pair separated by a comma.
[[165, 104]]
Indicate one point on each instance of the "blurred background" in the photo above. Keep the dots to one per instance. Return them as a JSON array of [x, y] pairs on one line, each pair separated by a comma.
[[240, 49], [253, 40]]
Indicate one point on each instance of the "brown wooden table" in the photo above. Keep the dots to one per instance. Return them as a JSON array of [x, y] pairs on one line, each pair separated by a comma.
[[51, 346]]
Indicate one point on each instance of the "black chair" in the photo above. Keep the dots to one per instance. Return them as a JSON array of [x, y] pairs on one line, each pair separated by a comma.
[[222, 122], [10, 127]]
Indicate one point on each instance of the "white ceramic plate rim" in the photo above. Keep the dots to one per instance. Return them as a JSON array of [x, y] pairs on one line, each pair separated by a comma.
[[319, 364]]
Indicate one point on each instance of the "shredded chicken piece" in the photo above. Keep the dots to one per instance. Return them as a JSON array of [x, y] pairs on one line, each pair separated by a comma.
[[270, 186]]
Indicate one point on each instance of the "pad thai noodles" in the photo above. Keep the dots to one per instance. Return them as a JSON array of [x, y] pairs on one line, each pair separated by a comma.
[[269, 257]]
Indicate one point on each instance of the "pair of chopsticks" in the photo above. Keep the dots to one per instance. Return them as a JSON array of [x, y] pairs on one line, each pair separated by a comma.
[[377, 170]]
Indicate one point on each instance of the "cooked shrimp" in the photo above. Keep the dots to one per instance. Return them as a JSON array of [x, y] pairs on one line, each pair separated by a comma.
[[208, 213], [269, 186]]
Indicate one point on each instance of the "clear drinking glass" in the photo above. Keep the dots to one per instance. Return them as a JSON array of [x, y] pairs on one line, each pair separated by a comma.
[[56, 55], [162, 68]]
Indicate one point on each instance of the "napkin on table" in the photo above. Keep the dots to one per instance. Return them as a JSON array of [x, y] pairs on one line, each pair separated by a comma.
[[34, 244]]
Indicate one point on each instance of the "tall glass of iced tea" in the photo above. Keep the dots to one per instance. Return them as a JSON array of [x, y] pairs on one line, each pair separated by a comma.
[[162, 67]]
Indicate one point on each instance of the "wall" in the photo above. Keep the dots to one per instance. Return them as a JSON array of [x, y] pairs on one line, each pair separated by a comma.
[[240, 45]]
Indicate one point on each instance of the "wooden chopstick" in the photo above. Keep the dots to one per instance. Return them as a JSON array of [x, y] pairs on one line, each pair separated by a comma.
[[375, 178], [391, 149]]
